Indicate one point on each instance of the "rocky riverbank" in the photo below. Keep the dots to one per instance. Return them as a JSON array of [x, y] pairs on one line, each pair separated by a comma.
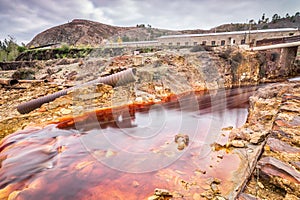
[[158, 74], [273, 122], [269, 140]]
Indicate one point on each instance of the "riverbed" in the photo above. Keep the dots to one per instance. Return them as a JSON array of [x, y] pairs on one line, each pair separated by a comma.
[[166, 145]]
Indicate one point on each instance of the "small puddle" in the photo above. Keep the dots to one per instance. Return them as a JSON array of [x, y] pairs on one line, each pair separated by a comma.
[[129, 154]]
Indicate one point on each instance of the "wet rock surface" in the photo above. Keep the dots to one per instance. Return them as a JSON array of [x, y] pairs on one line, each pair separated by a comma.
[[277, 171], [182, 141]]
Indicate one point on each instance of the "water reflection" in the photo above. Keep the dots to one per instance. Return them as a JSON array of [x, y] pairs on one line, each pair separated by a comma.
[[128, 156]]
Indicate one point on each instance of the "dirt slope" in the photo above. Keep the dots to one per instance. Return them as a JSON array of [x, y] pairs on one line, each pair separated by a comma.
[[76, 32]]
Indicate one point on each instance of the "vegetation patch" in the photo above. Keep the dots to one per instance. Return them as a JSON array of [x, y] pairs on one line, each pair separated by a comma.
[[198, 48], [57, 53], [9, 49], [24, 74]]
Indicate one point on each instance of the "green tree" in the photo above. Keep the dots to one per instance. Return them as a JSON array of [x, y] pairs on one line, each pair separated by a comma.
[[140, 26], [275, 18], [125, 38], [263, 17], [266, 20], [9, 49], [21, 49], [65, 48], [265, 26]]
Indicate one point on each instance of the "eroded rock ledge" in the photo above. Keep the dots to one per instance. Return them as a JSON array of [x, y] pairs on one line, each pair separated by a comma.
[[274, 122]]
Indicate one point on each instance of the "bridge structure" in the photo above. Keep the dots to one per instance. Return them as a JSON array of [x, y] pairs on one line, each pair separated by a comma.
[[287, 47], [282, 42]]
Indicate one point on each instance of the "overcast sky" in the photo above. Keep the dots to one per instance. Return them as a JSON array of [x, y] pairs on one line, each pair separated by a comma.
[[23, 19]]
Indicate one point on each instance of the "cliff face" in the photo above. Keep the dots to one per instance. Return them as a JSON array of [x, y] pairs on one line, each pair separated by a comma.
[[241, 68], [77, 32]]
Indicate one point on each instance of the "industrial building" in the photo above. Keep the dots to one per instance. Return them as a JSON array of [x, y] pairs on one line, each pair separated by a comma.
[[249, 37]]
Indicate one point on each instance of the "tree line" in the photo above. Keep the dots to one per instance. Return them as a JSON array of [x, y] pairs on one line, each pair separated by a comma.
[[275, 18], [9, 49]]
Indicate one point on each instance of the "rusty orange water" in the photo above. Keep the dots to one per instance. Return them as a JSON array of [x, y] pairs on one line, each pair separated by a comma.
[[127, 157]]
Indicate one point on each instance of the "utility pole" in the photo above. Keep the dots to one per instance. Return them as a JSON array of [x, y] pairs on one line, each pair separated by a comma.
[[250, 22]]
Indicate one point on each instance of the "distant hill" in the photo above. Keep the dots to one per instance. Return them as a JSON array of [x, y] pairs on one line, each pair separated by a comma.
[[76, 32], [286, 22], [84, 32]]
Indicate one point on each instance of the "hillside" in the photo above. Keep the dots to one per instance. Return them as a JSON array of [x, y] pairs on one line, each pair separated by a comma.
[[286, 22], [85, 32], [77, 32]]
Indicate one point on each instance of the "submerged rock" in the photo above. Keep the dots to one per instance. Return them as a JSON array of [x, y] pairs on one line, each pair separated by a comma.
[[161, 194], [182, 141]]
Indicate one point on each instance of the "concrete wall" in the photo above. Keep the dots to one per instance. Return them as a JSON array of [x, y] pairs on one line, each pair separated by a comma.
[[206, 40], [220, 39], [133, 44], [287, 57]]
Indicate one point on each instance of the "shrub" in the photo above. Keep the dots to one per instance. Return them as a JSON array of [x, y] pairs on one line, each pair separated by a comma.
[[65, 48], [261, 57], [226, 54], [24, 73], [197, 48], [274, 56], [21, 49], [238, 57]]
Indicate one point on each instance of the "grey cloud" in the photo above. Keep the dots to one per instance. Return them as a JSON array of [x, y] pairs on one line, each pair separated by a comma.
[[24, 19]]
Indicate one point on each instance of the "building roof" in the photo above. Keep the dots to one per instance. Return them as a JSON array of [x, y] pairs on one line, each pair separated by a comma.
[[230, 33], [45, 45], [136, 42]]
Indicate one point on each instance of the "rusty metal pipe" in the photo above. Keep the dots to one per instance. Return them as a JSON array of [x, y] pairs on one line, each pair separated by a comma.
[[117, 79], [32, 81], [8, 82]]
